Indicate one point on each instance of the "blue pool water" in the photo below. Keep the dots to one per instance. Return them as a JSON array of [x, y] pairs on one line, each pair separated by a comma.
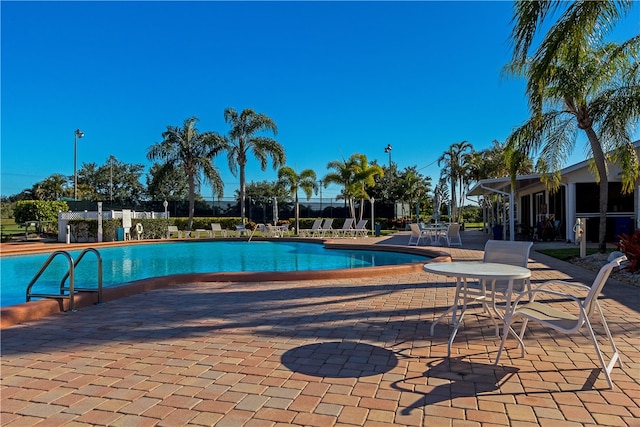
[[122, 264]]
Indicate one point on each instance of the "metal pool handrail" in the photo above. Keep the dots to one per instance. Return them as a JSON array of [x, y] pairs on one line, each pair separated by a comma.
[[70, 275]]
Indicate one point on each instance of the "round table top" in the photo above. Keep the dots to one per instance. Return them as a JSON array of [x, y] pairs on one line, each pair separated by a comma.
[[478, 270]]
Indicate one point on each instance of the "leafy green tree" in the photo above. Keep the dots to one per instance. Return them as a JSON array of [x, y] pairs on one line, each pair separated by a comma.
[[244, 138], [596, 91], [173, 185], [414, 186], [293, 182], [188, 149], [113, 181]]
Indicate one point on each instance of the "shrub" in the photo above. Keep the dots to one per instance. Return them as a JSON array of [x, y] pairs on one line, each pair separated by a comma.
[[40, 210], [630, 246]]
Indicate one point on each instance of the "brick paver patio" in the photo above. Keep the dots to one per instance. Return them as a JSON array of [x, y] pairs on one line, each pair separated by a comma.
[[314, 353]]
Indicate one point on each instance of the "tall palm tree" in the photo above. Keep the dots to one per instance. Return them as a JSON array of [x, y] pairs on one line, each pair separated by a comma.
[[188, 149], [306, 181], [579, 23], [243, 137], [596, 91], [454, 170], [364, 178]]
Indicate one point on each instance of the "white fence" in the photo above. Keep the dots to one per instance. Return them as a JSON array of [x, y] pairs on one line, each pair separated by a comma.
[[125, 215]]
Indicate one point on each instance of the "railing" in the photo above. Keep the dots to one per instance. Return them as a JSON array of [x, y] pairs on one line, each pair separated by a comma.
[[70, 274]]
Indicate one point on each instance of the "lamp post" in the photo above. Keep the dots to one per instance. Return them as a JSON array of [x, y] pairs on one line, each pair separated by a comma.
[[111, 178], [77, 134], [373, 225], [165, 204], [388, 150]]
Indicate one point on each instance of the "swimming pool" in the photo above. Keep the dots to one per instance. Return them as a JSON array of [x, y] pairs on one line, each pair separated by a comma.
[[121, 264]]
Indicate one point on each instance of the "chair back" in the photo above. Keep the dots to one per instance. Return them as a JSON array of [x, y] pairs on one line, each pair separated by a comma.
[[348, 224], [415, 229], [326, 225], [508, 252], [316, 224], [361, 224], [215, 226], [599, 282]]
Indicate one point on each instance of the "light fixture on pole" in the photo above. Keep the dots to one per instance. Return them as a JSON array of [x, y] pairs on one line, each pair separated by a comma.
[[373, 230], [77, 134], [388, 150], [165, 204]]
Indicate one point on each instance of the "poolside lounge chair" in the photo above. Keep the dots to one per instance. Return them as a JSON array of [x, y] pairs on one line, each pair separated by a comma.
[[347, 228], [216, 228], [557, 315], [326, 228], [308, 232], [241, 230], [172, 229], [360, 230]]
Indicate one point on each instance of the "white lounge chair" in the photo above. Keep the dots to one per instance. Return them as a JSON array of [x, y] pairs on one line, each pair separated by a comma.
[[216, 228], [172, 229], [308, 232], [326, 228], [241, 230], [347, 228], [360, 230], [557, 315], [417, 234]]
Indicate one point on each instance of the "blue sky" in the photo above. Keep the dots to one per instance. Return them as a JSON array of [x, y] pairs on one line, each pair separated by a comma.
[[337, 77]]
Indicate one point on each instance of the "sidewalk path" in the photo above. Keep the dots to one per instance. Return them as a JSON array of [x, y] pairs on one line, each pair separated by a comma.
[[343, 352]]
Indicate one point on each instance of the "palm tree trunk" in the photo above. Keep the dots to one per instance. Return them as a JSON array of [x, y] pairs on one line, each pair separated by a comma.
[[297, 214], [243, 189], [601, 166], [192, 200]]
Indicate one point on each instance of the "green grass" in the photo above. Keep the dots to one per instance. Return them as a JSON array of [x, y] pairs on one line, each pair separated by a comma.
[[565, 254]]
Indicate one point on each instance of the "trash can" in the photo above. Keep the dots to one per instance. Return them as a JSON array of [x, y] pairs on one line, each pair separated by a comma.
[[377, 229], [497, 232], [120, 234]]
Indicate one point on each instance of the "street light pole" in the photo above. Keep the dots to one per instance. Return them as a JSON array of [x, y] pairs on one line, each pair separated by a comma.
[[111, 178], [77, 134], [388, 150]]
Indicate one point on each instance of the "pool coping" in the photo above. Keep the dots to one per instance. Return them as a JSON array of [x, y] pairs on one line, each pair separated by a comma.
[[34, 310]]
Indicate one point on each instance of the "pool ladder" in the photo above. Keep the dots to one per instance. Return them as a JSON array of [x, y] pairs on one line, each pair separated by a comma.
[[71, 289]]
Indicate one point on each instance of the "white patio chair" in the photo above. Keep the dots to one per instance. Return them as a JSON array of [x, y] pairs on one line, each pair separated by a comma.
[[557, 316], [452, 235], [417, 234], [347, 227]]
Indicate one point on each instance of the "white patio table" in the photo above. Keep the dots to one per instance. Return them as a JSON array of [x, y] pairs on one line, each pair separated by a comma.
[[464, 270]]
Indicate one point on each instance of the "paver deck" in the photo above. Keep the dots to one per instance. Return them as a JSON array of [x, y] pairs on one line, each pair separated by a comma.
[[346, 352]]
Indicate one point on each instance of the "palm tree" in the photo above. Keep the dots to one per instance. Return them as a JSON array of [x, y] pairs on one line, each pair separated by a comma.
[[454, 170], [306, 181], [355, 175], [193, 152], [243, 138], [596, 91], [364, 178], [580, 23]]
